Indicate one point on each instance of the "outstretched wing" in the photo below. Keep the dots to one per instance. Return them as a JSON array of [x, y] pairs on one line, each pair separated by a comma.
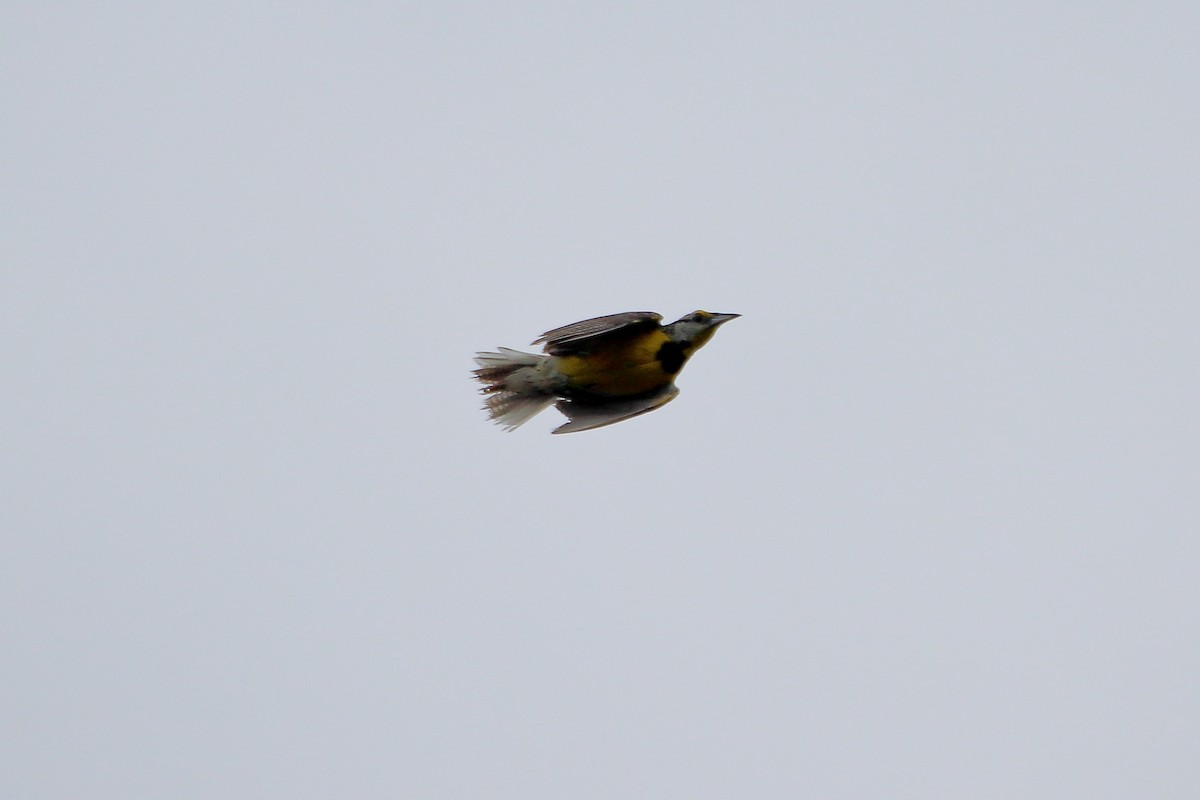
[[584, 416], [581, 336]]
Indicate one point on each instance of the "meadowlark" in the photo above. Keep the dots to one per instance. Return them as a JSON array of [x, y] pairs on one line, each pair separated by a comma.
[[596, 372]]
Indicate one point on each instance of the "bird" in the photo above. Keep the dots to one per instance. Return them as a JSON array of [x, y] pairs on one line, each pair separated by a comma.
[[596, 372]]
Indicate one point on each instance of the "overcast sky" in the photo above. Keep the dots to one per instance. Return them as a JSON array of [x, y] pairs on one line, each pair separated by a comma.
[[923, 523]]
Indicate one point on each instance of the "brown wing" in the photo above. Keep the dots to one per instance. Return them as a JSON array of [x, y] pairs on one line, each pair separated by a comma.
[[585, 416], [581, 336]]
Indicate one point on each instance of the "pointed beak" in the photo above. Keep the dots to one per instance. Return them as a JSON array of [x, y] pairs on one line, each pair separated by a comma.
[[721, 319]]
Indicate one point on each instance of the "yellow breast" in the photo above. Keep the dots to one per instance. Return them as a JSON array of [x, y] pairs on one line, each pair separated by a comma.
[[625, 367]]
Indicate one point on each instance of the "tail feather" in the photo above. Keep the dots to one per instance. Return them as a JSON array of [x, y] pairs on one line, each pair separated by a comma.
[[512, 410], [518, 385]]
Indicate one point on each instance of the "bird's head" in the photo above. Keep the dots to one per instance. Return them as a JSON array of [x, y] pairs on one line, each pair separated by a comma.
[[695, 329]]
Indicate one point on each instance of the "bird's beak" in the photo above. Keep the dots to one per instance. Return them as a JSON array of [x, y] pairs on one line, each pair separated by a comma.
[[721, 319]]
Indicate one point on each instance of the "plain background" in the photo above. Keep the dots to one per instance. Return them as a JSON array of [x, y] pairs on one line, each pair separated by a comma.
[[922, 524]]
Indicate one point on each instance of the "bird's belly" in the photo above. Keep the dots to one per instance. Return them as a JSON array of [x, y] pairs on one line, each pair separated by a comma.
[[627, 371]]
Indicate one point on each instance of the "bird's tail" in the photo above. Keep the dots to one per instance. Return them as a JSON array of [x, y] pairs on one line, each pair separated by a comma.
[[517, 385]]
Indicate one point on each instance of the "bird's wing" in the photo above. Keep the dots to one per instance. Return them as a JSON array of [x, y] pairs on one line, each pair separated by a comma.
[[579, 336], [584, 416]]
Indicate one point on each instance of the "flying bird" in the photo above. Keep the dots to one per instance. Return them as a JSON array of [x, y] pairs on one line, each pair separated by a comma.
[[596, 372]]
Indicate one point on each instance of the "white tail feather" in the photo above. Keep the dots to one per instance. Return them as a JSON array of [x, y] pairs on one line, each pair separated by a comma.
[[518, 385]]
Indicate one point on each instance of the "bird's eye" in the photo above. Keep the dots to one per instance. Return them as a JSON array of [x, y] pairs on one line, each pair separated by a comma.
[[698, 317]]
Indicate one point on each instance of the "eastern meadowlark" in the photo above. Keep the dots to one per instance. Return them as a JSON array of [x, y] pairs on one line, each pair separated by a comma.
[[597, 372]]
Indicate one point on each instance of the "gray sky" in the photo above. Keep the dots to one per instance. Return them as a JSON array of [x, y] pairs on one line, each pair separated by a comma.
[[922, 524]]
